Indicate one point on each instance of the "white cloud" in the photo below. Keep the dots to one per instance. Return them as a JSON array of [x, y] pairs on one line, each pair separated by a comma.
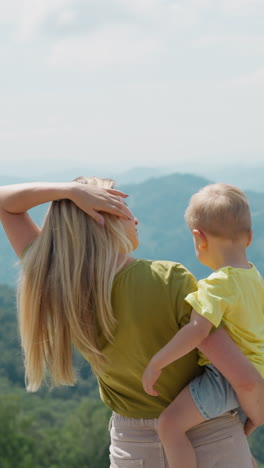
[[148, 28], [67, 16], [115, 45], [9, 135], [246, 44], [30, 16], [240, 6], [253, 79], [228, 6], [195, 85], [161, 14], [10, 11], [36, 12], [141, 7]]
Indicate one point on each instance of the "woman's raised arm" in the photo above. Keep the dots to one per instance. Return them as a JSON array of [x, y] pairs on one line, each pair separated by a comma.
[[16, 200]]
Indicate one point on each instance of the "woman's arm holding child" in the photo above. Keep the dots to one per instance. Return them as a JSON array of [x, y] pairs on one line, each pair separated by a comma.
[[186, 339]]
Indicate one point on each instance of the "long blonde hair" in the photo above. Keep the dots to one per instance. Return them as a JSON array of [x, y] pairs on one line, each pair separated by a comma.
[[64, 292]]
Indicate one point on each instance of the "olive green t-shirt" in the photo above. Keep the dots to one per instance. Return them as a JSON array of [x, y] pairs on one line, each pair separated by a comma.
[[148, 303]]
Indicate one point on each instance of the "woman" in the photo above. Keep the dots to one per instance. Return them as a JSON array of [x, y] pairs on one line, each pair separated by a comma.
[[79, 286]]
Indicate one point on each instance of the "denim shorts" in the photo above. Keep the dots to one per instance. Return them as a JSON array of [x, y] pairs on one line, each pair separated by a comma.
[[212, 393]]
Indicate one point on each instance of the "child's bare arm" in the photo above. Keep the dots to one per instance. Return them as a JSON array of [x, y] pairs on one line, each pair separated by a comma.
[[187, 339], [239, 371]]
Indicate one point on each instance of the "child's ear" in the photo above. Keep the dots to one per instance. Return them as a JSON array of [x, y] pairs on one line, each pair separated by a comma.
[[250, 236], [200, 238]]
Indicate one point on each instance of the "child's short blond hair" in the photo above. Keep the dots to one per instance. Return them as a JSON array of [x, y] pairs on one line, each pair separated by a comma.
[[221, 210]]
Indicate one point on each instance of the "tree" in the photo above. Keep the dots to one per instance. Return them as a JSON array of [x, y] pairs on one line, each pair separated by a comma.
[[16, 446]]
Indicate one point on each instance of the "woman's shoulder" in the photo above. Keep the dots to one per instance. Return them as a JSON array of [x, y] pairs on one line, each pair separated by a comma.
[[159, 266], [167, 266], [166, 270]]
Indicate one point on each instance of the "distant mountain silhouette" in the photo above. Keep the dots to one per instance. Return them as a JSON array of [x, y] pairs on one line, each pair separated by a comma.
[[134, 175], [159, 204]]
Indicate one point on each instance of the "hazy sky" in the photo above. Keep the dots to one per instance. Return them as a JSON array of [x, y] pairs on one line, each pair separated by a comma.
[[131, 82]]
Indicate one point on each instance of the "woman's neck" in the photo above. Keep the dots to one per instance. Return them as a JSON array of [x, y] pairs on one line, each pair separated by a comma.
[[124, 261]]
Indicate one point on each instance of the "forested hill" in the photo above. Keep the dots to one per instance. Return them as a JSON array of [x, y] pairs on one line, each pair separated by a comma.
[[159, 204], [63, 428]]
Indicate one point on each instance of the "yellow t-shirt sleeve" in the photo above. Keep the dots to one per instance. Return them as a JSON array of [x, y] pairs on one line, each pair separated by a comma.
[[209, 300]]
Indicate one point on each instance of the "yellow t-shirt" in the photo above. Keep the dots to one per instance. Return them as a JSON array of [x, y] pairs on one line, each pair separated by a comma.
[[148, 303], [234, 298]]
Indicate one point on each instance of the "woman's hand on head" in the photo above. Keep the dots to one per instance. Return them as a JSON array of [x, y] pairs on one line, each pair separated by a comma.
[[93, 200], [17, 199]]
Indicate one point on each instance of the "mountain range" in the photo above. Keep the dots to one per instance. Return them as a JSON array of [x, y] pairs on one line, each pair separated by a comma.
[[159, 204]]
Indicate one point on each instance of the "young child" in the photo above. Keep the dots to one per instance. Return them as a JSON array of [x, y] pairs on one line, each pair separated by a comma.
[[233, 297]]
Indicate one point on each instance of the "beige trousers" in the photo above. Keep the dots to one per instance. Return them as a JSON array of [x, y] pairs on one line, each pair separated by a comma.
[[219, 443]]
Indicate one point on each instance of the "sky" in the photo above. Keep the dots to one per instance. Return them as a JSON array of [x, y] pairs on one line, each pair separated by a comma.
[[123, 83]]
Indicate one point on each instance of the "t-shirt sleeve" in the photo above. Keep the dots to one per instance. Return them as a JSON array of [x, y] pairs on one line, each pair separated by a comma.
[[182, 284], [210, 300]]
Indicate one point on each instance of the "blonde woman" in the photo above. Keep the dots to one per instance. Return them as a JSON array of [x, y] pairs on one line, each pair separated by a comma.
[[80, 287]]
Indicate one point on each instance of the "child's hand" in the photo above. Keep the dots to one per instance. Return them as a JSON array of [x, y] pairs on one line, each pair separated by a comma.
[[150, 377]]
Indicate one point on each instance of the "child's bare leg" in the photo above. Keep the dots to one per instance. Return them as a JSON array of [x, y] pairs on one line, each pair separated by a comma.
[[180, 416], [249, 427]]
